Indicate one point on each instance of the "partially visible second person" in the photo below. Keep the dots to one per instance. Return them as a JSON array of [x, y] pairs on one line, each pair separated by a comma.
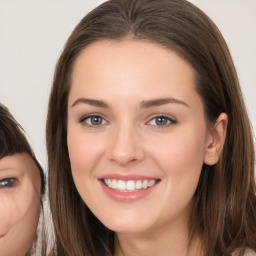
[[22, 187]]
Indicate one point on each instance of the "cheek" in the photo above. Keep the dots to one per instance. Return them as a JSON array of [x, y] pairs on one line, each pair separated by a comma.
[[21, 235], [84, 151], [180, 155], [180, 158], [6, 211], [16, 205]]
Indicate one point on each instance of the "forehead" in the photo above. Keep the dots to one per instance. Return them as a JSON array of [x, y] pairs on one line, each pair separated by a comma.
[[131, 67], [127, 52]]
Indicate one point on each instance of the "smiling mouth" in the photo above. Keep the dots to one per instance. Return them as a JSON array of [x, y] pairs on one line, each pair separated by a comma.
[[130, 185]]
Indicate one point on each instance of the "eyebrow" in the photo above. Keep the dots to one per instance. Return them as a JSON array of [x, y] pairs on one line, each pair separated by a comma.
[[92, 102], [160, 102], [144, 104]]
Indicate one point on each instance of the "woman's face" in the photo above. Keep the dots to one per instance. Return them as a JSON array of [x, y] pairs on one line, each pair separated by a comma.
[[137, 135], [19, 203]]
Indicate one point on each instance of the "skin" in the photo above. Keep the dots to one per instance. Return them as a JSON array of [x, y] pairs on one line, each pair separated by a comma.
[[20, 203], [128, 76]]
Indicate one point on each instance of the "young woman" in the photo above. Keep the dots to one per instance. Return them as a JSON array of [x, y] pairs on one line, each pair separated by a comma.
[[149, 143], [22, 187]]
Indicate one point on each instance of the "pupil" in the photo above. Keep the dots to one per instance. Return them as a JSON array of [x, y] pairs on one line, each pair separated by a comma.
[[96, 120], [161, 121]]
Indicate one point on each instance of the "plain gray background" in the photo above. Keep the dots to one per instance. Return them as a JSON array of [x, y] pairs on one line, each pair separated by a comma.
[[33, 33]]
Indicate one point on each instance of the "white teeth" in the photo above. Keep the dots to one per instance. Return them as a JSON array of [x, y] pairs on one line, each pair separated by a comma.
[[139, 184], [121, 185], [151, 183], [114, 184], [145, 184], [130, 185]]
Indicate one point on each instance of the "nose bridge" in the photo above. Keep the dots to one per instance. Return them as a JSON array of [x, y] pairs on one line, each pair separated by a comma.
[[125, 145]]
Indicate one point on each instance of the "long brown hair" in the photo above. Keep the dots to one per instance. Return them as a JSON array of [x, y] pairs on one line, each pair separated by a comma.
[[224, 211], [13, 141]]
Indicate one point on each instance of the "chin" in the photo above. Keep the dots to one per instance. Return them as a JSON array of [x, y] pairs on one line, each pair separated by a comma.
[[126, 226], [127, 229]]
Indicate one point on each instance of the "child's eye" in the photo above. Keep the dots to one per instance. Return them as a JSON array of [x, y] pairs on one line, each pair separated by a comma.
[[161, 121], [8, 183], [94, 120]]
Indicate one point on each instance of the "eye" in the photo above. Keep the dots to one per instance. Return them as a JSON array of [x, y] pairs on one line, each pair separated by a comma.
[[94, 120], [8, 183], [162, 121]]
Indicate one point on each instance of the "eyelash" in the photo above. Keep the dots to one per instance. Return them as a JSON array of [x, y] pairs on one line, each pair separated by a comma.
[[170, 121], [90, 117], [8, 183]]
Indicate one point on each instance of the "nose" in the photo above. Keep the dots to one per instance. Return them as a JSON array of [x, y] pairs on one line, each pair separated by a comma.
[[125, 146]]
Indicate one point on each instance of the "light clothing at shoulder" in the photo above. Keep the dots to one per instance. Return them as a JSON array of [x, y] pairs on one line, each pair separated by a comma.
[[248, 252]]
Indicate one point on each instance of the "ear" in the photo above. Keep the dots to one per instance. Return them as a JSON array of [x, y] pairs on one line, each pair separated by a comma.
[[216, 140]]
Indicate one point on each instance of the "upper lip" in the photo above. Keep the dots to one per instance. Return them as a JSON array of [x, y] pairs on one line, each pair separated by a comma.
[[127, 177]]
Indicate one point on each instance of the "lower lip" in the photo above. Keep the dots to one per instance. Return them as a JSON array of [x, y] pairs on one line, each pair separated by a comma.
[[127, 197]]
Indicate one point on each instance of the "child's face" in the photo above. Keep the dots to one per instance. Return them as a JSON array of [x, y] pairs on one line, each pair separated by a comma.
[[19, 203]]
